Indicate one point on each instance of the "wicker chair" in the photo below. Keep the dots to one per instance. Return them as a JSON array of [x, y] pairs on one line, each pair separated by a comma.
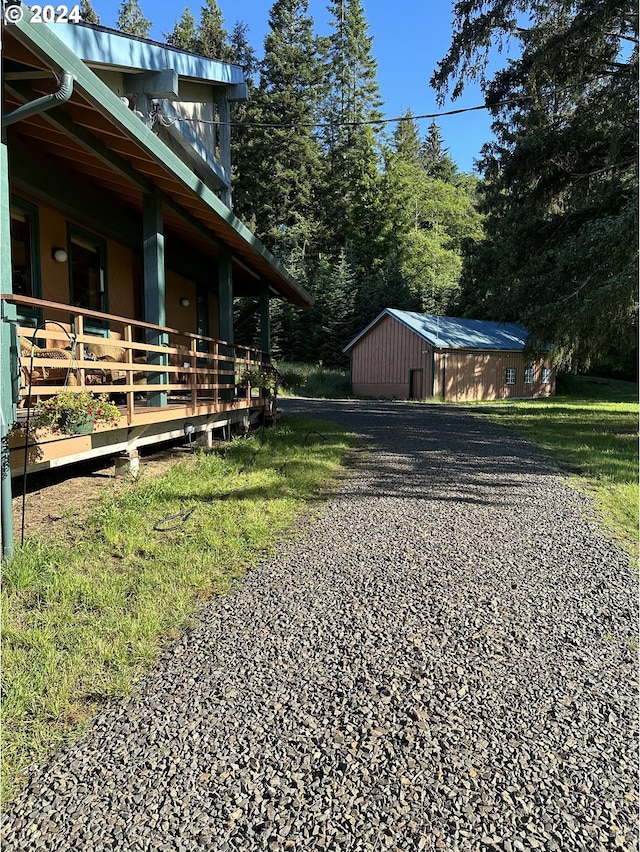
[[65, 374]]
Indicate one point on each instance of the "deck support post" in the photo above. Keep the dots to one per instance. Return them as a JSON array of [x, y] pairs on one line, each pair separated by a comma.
[[225, 305], [128, 464], [205, 439], [154, 287]]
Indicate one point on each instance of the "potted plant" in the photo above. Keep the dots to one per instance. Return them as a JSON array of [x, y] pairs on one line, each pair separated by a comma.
[[259, 377], [75, 412]]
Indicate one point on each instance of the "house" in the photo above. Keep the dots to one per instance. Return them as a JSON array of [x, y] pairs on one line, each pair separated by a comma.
[[121, 256], [406, 355]]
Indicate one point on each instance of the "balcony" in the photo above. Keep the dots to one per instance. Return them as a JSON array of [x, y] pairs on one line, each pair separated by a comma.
[[161, 379]]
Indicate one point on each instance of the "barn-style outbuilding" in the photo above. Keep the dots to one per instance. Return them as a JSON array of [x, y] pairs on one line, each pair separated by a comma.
[[406, 355]]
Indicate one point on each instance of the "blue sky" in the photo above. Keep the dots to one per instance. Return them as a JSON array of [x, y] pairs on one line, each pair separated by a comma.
[[409, 37]]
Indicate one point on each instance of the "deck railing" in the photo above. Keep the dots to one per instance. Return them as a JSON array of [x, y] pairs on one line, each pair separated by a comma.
[[80, 349]]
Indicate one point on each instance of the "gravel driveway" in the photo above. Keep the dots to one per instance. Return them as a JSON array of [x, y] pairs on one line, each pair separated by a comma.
[[443, 661]]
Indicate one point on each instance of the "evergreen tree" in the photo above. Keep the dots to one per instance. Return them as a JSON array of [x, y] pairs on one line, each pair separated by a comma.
[[281, 158], [406, 139], [184, 36], [435, 158], [429, 221], [131, 19], [243, 54], [561, 186], [87, 12], [244, 140], [351, 151], [212, 37]]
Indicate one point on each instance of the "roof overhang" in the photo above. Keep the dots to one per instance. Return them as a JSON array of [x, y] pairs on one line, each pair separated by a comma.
[[101, 46], [96, 135]]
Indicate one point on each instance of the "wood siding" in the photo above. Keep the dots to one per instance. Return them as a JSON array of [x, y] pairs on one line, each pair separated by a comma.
[[482, 375], [382, 359]]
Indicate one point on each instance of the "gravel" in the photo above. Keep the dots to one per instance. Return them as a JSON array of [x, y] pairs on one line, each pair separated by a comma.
[[442, 661]]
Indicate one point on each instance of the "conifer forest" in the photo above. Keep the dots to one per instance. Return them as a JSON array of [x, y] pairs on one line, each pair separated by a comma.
[[368, 214]]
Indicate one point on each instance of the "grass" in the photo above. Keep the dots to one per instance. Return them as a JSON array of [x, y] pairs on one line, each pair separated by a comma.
[[320, 382], [85, 614], [591, 429]]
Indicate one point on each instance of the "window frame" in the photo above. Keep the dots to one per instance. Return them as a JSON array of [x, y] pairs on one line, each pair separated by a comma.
[[546, 376], [529, 375], [508, 373], [25, 313], [94, 326]]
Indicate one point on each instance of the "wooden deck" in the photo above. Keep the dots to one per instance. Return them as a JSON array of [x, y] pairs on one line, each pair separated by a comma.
[[162, 379]]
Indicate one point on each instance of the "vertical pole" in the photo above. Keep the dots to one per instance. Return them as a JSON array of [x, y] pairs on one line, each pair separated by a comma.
[[225, 305], [225, 294], [154, 288], [265, 319], [8, 355], [224, 138]]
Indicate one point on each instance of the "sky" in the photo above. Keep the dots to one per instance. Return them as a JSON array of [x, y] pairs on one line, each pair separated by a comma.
[[409, 38]]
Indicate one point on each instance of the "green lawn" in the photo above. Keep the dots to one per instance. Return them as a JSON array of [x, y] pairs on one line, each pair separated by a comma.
[[591, 429], [86, 610]]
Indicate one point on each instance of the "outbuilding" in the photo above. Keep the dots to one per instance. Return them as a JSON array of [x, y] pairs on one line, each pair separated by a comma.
[[407, 355]]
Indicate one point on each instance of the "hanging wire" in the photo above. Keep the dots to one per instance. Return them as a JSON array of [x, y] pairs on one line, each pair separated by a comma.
[[343, 123], [157, 116]]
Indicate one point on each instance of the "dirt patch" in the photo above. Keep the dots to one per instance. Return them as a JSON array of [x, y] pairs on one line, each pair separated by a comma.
[[56, 497]]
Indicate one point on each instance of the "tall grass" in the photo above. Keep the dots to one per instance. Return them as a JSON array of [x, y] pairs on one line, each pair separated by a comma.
[[84, 613], [591, 428], [319, 382]]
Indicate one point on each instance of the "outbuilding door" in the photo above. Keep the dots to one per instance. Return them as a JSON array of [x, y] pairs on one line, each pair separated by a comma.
[[415, 384]]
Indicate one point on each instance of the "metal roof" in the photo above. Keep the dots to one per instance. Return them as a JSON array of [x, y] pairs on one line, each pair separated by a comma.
[[101, 45], [455, 332], [104, 137]]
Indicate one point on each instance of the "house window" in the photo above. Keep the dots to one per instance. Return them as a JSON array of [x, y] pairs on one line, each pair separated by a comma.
[[25, 257], [87, 270], [24, 249], [528, 376], [510, 376], [546, 375]]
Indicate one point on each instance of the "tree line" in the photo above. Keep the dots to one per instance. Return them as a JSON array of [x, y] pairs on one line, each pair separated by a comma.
[[367, 219]]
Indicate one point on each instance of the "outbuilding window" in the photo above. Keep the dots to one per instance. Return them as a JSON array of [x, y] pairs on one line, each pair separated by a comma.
[[546, 375], [528, 376], [510, 376]]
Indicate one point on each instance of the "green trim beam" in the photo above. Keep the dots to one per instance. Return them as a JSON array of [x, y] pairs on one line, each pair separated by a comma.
[[154, 287]]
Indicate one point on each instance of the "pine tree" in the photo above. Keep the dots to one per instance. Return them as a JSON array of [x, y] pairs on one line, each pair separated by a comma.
[[87, 12], [131, 19], [351, 149], [184, 35], [212, 37], [242, 53], [406, 139], [281, 160], [429, 222], [435, 158], [561, 179]]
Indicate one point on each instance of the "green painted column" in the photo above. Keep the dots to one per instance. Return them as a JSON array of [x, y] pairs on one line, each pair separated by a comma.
[[8, 355], [225, 311], [265, 318], [154, 286], [225, 294]]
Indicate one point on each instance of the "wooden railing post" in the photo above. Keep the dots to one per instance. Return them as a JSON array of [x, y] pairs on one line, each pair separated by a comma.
[[193, 377], [78, 348], [129, 394]]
